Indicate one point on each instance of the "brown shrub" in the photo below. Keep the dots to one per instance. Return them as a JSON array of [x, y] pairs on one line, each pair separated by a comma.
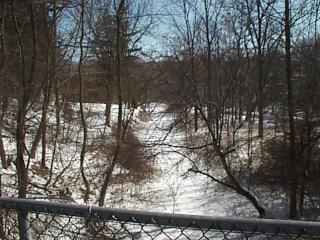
[[134, 157], [274, 167], [144, 116]]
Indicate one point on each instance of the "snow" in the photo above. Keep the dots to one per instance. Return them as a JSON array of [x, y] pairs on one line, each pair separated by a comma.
[[173, 189], [170, 189]]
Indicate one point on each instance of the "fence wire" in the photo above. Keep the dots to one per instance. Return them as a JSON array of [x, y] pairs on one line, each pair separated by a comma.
[[29, 219]]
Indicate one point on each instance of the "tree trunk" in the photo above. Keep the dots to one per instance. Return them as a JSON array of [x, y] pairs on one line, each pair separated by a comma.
[[83, 121], [193, 76], [54, 80], [23, 99], [2, 230], [234, 184], [4, 103], [41, 132], [108, 94], [4, 163], [108, 175], [196, 118], [109, 170], [293, 213], [22, 172], [45, 120], [260, 94], [260, 74], [209, 70], [4, 106], [3, 97]]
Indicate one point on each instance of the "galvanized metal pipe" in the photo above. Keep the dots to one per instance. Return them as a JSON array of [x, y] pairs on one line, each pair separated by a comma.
[[234, 224]]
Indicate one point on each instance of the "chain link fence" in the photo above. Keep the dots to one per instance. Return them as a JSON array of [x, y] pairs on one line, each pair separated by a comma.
[[29, 219]]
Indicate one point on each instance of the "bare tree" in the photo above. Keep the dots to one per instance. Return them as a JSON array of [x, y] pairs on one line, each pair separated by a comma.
[[46, 87], [3, 99], [130, 25], [23, 99], [263, 29], [83, 120], [120, 9], [293, 166]]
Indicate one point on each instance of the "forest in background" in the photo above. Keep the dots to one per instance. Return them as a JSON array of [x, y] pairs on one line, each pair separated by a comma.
[[240, 78]]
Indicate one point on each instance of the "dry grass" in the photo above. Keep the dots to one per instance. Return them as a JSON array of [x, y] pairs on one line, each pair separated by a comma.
[[134, 158], [144, 116]]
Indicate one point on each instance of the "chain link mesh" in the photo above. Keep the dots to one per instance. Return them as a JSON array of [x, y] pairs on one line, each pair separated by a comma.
[[27, 219]]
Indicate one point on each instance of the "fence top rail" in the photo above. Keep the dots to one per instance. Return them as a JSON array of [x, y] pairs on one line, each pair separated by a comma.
[[164, 219]]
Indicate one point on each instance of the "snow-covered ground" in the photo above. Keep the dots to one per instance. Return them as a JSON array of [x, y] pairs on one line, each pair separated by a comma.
[[173, 189], [170, 189]]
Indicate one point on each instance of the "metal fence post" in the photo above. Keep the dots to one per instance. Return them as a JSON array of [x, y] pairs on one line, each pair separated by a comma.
[[24, 225]]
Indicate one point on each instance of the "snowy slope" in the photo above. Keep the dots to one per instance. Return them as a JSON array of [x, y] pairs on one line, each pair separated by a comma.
[[170, 189], [174, 189]]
